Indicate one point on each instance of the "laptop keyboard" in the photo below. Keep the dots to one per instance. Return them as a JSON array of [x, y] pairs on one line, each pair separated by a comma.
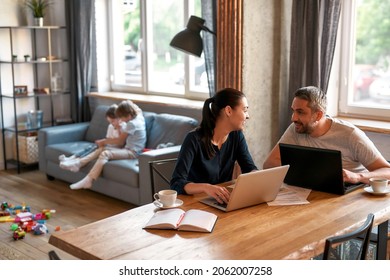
[[348, 186], [224, 205]]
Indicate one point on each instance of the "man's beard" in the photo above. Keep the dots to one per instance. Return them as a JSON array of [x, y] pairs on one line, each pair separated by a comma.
[[304, 129]]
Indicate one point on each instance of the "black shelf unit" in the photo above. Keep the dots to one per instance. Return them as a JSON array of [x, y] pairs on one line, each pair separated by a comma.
[[40, 67]]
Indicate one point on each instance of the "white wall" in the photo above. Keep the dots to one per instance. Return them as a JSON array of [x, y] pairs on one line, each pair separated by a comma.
[[266, 41]]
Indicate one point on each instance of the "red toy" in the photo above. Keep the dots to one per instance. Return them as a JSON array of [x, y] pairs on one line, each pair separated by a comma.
[[19, 234], [28, 226], [4, 213]]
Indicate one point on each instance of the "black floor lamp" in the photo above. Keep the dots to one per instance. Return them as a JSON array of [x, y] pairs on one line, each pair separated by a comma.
[[190, 41]]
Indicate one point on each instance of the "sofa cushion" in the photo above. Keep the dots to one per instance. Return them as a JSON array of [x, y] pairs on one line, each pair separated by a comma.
[[149, 120], [124, 171], [161, 131], [98, 126]]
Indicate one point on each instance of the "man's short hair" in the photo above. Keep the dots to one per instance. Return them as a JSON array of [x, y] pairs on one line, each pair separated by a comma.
[[315, 96]]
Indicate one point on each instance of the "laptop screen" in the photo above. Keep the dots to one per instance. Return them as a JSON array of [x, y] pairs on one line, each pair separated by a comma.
[[314, 168]]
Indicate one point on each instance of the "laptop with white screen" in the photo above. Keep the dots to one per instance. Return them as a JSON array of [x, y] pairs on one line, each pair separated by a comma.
[[252, 188]]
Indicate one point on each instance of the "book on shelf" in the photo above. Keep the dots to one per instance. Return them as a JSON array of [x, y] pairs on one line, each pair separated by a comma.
[[178, 219]]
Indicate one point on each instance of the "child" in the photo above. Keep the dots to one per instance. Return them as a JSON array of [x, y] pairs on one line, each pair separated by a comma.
[[93, 151], [133, 137]]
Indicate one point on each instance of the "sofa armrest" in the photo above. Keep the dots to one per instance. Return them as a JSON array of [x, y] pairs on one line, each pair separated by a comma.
[[145, 184], [59, 134]]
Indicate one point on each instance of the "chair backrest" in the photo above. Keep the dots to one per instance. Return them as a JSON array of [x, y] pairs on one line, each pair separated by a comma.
[[341, 247], [161, 173]]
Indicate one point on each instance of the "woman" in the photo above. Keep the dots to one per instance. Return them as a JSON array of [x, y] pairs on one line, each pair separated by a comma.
[[209, 152]]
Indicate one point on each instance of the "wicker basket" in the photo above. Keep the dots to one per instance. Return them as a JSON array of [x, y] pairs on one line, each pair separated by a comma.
[[28, 147]]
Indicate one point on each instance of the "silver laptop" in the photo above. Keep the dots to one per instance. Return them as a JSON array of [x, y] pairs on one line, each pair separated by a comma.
[[252, 188]]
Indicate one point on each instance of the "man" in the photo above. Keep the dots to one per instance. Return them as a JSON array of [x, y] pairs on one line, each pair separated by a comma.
[[312, 127]]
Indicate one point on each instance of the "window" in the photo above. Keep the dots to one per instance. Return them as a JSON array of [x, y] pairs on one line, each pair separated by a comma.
[[365, 59], [142, 60]]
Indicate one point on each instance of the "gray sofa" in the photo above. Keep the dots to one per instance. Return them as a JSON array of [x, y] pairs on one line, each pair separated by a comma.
[[127, 180]]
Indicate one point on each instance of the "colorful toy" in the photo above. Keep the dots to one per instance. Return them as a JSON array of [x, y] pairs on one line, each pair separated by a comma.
[[44, 215], [23, 217], [6, 219], [4, 205], [4, 213], [14, 227], [40, 229], [24, 220], [19, 234], [48, 213], [39, 216], [19, 208], [28, 226]]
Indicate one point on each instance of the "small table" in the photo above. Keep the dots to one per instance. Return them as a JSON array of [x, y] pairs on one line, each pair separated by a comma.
[[257, 232]]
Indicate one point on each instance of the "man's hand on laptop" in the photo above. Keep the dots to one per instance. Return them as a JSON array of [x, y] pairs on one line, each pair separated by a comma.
[[221, 194], [351, 177]]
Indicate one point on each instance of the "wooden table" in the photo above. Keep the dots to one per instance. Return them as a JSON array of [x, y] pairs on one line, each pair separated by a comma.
[[258, 232]]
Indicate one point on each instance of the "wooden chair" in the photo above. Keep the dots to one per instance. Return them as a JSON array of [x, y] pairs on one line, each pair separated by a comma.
[[160, 173], [344, 246]]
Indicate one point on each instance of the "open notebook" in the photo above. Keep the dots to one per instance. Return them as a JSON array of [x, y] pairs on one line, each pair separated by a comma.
[[252, 188]]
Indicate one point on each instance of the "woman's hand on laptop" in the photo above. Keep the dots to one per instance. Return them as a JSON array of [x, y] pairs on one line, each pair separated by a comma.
[[221, 194]]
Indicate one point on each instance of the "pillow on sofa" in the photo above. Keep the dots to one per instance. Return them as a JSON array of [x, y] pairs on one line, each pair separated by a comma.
[[98, 125], [149, 120], [169, 128]]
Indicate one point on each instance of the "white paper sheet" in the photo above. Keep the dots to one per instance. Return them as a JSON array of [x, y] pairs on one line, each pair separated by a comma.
[[291, 195]]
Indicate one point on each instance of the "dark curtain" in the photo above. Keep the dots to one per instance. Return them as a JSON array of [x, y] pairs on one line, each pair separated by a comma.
[[80, 17], [209, 43], [314, 28]]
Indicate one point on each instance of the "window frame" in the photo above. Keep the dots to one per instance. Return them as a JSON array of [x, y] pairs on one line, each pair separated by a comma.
[[345, 59], [145, 48]]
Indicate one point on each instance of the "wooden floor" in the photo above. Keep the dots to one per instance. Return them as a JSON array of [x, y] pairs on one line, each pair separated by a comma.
[[73, 209]]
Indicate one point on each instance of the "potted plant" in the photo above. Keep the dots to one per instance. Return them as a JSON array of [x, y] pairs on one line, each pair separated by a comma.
[[38, 8]]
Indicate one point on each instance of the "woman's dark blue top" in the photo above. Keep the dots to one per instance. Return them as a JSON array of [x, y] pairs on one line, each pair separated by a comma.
[[193, 165]]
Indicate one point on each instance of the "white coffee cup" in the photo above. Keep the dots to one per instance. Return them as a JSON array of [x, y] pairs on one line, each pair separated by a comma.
[[378, 185], [166, 197]]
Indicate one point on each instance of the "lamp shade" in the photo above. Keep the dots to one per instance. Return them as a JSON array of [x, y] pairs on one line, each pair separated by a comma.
[[189, 40]]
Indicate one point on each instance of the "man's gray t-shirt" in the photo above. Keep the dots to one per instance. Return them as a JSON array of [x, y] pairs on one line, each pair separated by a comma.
[[356, 148]]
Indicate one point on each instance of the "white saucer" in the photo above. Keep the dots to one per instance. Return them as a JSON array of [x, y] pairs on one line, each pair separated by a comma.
[[178, 203], [371, 191]]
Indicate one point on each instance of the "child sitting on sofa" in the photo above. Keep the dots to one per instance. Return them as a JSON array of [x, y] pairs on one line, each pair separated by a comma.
[[133, 137], [91, 152]]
